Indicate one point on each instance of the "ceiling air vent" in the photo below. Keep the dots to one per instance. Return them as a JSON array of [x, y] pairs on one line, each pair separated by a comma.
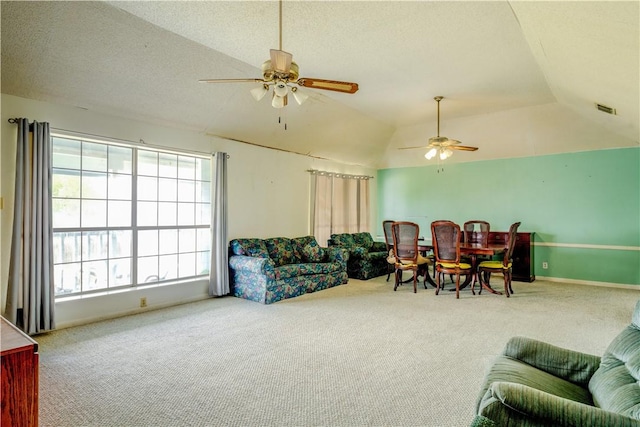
[[606, 109]]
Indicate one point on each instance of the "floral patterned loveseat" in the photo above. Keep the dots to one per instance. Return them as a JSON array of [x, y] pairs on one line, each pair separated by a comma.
[[367, 258], [269, 270]]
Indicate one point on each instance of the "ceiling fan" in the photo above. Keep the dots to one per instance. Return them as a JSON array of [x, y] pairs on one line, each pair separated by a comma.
[[282, 73], [441, 144]]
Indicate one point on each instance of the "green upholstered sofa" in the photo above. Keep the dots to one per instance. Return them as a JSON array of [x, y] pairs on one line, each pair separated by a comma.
[[367, 258], [534, 383], [269, 270]]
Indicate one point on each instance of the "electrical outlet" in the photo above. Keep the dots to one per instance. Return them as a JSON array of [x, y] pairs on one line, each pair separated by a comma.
[[143, 302], [545, 265]]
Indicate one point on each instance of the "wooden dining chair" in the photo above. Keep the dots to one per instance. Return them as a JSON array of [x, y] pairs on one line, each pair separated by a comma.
[[388, 239], [476, 231], [407, 256], [446, 237], [485, 268]]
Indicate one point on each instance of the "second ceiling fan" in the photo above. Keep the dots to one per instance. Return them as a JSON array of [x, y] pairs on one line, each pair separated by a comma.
[[281, 72], [441, 145]]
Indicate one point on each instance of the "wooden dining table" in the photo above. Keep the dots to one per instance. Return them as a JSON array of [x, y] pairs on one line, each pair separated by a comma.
[[473, 250]]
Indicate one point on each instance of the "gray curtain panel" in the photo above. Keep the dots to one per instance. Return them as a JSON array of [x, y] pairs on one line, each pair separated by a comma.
[[219, 271], [31, 291]]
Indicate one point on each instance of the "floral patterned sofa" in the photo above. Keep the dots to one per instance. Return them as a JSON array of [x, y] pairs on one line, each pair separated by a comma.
[[367, 258], [269, 270]]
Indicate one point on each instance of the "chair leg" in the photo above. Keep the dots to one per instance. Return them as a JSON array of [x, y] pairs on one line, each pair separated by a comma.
[[458, 286], [415, 278], [507, 283], [510, 281], [437, 284], [395, 286]]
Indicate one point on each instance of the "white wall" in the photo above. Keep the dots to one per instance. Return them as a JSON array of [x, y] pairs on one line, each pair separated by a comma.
[[269, 194]]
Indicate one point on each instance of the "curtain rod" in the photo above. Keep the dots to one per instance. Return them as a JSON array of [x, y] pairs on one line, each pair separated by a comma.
[[339, 175]]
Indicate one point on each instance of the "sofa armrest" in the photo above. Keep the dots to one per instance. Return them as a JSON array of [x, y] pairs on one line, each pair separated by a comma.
[[569, 365], [378, 247], [540, 408], [258, 265], [337, 254]]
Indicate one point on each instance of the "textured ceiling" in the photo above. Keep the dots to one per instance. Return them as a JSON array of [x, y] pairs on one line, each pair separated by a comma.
[[519, 78]]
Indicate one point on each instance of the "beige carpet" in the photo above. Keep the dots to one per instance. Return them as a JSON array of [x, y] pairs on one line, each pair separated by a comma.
[[355, 355]]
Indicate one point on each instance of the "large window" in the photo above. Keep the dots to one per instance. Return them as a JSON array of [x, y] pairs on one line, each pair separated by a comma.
[[125, 216]]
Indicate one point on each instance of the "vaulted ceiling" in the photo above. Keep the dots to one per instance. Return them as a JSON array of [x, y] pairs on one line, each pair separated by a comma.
[[519, 78]]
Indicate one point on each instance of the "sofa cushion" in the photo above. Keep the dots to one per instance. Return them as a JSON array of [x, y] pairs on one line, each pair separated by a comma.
[[615, 386], [299, 243], [507, 369], [249, 247], [363, 239], [313, 253], [280, 250], [345, 239], [305, 269]]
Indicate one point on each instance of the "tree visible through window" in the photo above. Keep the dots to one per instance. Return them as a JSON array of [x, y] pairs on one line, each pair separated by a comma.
[[125, 216]]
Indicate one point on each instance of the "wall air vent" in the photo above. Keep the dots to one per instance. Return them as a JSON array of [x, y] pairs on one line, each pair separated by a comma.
[[606, 109]]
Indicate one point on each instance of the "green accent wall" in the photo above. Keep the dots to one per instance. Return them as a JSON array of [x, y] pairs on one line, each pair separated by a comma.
[[587, 198]]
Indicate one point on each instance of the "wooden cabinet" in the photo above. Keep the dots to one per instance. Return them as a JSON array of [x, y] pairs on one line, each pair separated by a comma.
[[19, 377], [522, 254]]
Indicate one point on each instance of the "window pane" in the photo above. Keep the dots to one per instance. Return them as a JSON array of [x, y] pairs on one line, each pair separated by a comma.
[[168, 165], [66, 153], [187, 240], [94, 213], [94, 157], [94, 275], [119, 214], [120, 159], [147, 214], [168, 241], [203, 192], [147, 163], [66, 213], [119, 186], [204, 239], [185, 214], [95, 245], [147, 188], [67, 247], [168, 189], [147, 269], [168, 267], [186, 191], [203, 260], [147, 242], [186, 265], [94, 185], [65, 183], [67, 278], [186, 167], [203, 213], [119, 243], [167, 213], [203, 169], [119, 272]]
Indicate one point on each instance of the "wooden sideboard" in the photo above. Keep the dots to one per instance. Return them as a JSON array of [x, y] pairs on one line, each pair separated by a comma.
[[522, 254], [19, 377]]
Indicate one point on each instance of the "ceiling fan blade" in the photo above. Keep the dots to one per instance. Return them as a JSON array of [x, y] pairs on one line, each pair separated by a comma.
[[280, 60], [345, 87], [232, 81], [462, 148], [424, 147]]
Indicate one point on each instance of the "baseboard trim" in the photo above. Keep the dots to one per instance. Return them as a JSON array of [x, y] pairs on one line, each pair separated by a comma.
[[590, 283], [587, 246]]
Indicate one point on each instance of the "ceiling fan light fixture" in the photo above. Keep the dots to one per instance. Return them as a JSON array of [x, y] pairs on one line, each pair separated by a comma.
[[259, 92], [431, 154], [445, 153], [299, 96], [278, 101], [281, 89]]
